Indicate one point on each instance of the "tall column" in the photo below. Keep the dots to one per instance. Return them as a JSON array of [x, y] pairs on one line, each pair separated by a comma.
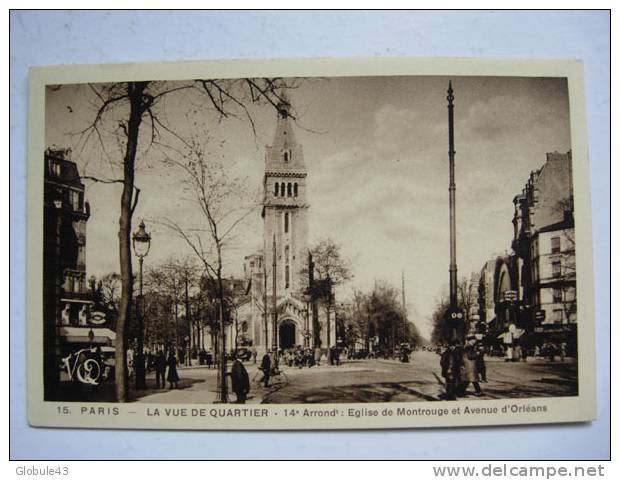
[[452, 190], [265, 306], [404, 325]]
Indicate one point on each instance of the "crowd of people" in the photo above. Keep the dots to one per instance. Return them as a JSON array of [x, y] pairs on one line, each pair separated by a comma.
[[462, 365], [160, 363]]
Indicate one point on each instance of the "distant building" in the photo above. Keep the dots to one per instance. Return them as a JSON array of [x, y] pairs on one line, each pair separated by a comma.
[[544, 244], [497, 298], [69, 319]]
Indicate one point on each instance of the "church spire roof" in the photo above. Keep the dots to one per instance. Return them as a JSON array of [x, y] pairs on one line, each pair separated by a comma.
[[284, 155]]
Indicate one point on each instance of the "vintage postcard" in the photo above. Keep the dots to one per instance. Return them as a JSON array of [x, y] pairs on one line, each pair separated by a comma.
[[309, 244]]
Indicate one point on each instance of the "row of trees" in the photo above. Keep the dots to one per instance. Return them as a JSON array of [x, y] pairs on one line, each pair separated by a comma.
[[377, 317], [181, 305], [467, 298]]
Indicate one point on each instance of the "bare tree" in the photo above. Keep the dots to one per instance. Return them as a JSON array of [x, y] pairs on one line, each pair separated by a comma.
[[110, 290], [221, 200], [120, 112], [467, 296], [467, 291]]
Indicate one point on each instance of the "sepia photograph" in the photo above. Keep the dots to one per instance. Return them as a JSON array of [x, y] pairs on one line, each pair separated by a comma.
[[309, 241]]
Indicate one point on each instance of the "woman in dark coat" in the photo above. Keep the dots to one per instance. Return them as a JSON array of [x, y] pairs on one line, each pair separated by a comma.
[[240, 380], [173, 376]]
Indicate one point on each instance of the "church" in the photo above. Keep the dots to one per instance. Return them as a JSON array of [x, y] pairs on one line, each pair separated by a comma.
[[277, 310]]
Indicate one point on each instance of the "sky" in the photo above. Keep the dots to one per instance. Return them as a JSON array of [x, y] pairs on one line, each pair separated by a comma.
[[376, 150]]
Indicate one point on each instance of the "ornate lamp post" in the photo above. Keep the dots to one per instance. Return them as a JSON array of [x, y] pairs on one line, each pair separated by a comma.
[[453, 316], [141, 246]]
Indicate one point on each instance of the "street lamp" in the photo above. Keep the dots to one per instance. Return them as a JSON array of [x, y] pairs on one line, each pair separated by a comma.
[[453, 316], [141, 246]]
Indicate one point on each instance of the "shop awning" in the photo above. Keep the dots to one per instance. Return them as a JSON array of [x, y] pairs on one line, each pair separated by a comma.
[[99, 336]]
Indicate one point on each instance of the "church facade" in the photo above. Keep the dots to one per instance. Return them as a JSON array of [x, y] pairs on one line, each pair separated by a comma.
[[279, 312]]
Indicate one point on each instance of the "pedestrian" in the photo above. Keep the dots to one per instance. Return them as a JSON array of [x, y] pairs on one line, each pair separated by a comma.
[[265, 367], [160, 370], [317, 356], [451, 369], [480, 363], [240, 380], [309, 357], [562, 351], [254, 355], [469, 370], [173, 376], [209, 359], [275, 363], [299, 358], [130, 361]]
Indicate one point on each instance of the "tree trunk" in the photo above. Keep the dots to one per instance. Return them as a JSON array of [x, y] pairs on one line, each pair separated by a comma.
[[220, 284], [188, 355], [135, 91], [223, 383]]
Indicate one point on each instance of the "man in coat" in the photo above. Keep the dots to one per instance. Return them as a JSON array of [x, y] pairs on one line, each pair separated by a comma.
[[451, 369], [481, 364], [469, 368], [240, 380], [160, 370], [265, 367]]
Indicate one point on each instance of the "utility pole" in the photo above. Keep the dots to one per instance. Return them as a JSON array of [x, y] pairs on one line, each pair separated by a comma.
[[316, 330], [329, 305], [404, 332], [274, 336], [265, 306], [309, 300]]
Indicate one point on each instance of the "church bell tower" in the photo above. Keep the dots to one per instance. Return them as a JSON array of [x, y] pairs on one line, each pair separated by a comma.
[[285, 211]]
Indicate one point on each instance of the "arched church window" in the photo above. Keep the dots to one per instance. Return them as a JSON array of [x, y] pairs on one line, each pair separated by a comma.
[[289, 190], [286, 278], [286, 156], [282, 189], [295, 189], [286, 222], [276, 190]]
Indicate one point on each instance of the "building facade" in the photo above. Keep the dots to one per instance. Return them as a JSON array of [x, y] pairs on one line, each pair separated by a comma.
[[499, 308], [70, 321], [544, 245], [533, 289]]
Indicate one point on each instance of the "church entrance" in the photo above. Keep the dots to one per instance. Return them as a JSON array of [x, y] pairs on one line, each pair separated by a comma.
[[286, 334]]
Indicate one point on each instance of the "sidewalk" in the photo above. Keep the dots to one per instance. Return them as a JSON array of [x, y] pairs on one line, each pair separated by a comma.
[[201, 387]]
